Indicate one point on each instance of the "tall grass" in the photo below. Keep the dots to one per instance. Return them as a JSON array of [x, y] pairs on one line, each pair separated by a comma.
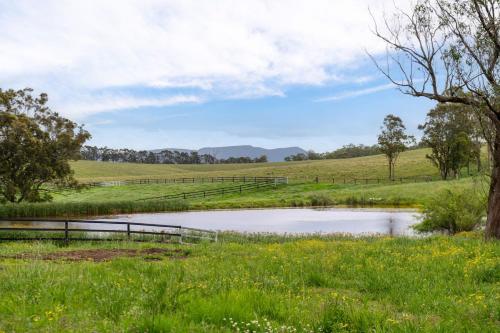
[[265, 284], [53, 209]]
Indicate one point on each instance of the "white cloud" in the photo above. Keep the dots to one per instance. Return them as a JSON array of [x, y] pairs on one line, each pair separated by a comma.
[[222, 47], [91, 104], [357, 92]]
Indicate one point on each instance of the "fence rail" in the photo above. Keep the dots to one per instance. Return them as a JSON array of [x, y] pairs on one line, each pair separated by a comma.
[[182, 233], [184, 180], [270, 181], [253, 179], [360, 181]]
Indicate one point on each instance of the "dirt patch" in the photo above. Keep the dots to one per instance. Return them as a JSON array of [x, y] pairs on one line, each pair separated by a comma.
[[105, 254]]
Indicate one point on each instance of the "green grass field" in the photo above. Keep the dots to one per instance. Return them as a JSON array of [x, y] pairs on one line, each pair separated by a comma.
[[273, 284], [411, 163]]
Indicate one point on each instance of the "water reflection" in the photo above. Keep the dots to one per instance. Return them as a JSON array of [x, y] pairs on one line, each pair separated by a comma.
[[331, 220]]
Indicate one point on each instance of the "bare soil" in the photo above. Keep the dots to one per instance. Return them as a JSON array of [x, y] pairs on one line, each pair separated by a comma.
[[151, 254]]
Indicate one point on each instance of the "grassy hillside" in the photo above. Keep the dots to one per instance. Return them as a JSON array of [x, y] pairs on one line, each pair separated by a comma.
[[411, 163], [245, 284]]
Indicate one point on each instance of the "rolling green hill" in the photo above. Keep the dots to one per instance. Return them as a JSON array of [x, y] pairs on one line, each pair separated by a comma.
[[411, 163]]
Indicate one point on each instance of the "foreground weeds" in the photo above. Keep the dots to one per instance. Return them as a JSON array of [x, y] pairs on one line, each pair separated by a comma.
[[255, 284]]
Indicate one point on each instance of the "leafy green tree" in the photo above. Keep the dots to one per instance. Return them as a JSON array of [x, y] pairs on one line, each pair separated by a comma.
[[261, 159], [393, 140], [448, 131], [36, 145]]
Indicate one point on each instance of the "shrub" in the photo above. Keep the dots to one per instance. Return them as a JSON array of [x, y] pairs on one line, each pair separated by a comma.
[[453, 212], [321, 199]]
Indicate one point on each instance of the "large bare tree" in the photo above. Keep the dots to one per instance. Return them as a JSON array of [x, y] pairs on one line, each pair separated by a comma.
[[448, 51]]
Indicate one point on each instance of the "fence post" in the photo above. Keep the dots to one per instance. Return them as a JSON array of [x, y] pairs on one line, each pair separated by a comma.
[[128, 230], [66, 232], [317, 179], [333, 180], [184, 195]]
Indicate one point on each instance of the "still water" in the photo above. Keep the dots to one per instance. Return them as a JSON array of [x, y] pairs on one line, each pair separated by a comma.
[[300, 220]]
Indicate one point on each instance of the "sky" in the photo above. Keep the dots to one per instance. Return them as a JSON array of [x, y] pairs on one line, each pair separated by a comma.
[[152, 74]]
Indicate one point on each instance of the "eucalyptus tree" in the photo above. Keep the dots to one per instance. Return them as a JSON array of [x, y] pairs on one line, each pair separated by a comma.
[[36, 145], [441, 48], [449, 130], [393, 140]]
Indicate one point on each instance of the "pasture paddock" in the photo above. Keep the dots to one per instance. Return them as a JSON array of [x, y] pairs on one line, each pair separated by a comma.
[[261, 283]]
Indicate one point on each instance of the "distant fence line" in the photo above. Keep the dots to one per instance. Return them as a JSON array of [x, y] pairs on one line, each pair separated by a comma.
[[182, 233], [271, 181], [361, 181], [257, 179], [184, 180]]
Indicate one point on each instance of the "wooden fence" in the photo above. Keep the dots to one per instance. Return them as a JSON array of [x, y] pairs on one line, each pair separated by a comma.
[[361, 181], [271, 181], [66, 227], [186, 180]]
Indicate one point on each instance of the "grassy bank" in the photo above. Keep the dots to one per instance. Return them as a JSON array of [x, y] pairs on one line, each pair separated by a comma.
[[335, 284]]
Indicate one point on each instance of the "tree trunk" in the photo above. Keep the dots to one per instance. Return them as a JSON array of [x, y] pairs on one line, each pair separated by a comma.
[[493, 218], [390, 169]]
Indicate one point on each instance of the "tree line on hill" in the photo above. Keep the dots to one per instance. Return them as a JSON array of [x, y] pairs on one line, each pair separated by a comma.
[[347, 151], [105, 154]]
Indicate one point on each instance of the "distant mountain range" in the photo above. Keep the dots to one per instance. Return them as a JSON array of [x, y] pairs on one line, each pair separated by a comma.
[[273, 155]]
